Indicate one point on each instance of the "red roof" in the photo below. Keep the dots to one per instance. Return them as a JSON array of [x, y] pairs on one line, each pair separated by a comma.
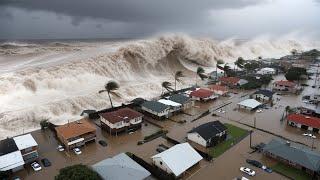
[[124, 114], [285, 83], [305, 120], [229, 80], [201, 93], [215, 87]]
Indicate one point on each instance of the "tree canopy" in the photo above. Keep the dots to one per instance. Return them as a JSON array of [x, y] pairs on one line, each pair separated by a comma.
[[295, 73], [77, 172]]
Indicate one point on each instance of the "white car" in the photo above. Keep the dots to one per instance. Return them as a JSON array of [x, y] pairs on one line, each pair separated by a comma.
[[36, 166], [248, 171], [259, 111], [309, 135], [60, 148], [77, 151]]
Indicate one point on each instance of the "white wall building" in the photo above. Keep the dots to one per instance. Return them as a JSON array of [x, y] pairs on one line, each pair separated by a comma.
[[267, 70]]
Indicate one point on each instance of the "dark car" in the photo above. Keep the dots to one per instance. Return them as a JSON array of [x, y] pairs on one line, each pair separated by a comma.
[[103, 143], [254, 163], [160, 149], [46, 162]]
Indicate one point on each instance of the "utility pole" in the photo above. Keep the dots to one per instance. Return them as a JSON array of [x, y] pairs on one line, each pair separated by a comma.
[[254, 122], [250, 138]]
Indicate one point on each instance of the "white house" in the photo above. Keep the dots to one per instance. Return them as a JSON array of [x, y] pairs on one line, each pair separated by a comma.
[[177, 159], [267, 70], [263, 95], [156, 108], [27, 146], [249, 104]]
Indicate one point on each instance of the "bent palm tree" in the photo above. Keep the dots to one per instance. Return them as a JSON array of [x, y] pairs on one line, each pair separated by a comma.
[[177, 77], [109, 88], [226, 69], [167, 85], [219, 62], [200, 73], [239, 62]]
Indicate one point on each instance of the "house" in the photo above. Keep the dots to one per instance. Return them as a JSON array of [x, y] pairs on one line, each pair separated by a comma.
[[219, 89], [177, 159], [120, 120], [202, 95], [310, 109], [249, 104], [156, 109], [304, 122], [208, 134], [120, 167], [232, 82], [174, 106], [263, 95], [10, 156], [185, 101], [28, 147], [294, 155], [287, 86], [267, 71], [77, 133]]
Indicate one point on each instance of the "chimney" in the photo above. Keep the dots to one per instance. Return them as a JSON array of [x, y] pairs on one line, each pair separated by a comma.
[[288, 143]]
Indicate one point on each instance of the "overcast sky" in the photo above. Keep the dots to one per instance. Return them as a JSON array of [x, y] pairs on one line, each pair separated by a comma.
[[46, 19]]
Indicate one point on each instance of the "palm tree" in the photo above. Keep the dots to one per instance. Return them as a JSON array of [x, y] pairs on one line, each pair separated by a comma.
[[200, 73], [239, 62], [177, 77], [167, 85], [226, 69], [288, 109], [219, 61], [110, 87]]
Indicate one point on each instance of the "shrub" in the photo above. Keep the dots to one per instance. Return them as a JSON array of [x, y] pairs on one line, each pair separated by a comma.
[[77, 172]]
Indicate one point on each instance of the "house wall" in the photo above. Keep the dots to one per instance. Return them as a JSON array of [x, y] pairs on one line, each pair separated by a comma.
[[30, 154], [284, 88], [162, 165], [195, 137], [163, 113], [261, 97]]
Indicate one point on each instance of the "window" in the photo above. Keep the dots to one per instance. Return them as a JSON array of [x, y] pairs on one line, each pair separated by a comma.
[[28, 149]]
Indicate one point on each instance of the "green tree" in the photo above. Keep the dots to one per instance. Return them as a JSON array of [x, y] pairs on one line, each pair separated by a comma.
[[110, 87], [177, 77], [226, 69], [295, 73], [201, 73], [44, 124], [166, 85], [77, 172], [219, 62], [239, 62]]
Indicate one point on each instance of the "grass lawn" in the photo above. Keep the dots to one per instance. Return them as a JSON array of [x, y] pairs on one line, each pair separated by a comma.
[[290, 171], [236, 133]]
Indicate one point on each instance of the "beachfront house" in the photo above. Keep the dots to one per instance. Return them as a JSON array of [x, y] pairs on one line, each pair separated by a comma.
[[263, 95], [285, 86], [156, 109], [121, 167], [249, 104], [232, 82], [28, 147], [208, 134], [267, 71], [10, 156], [295, 155], [184, 100], [177, 159], [124, 119], [202, 95], [76, 134], [304, 122], [219, 89], [174, 106]]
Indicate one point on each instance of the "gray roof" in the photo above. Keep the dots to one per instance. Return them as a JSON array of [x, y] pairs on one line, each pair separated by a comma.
[[179, 98], [296, 153], [209, 130], [155, 106], [265, 92], [120, 167]]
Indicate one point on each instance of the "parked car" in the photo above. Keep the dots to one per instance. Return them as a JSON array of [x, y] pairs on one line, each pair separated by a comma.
[[254, 163], [309, 135], [259, 111], [36, 166], [267, 169], [160, 149], [102, 143], [60, 148], [46, 162], [247, 171], [77, 151]]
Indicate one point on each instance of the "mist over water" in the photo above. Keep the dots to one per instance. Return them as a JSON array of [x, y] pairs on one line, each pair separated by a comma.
[[57, 80]]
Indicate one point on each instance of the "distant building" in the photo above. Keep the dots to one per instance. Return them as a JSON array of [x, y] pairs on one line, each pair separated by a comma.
[[310, 109], [294, 155], [120, 167], [120, 120], [219, 89], [304, 122], [17, 151], [266, 71], [156, 109], [76, 134], [182, 99], [263, 95], [208, 134], [177, 160], [202, 95], [249, 104], [28, 147], [285, 86], [232, 82]]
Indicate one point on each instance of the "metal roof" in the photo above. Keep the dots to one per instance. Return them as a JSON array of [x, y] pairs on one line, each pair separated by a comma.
[[179, 98], [169, 102], [11, 161], [179, 158], [120, 167], [209, 130], [251, 103], [154, 106], [25, 141]]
